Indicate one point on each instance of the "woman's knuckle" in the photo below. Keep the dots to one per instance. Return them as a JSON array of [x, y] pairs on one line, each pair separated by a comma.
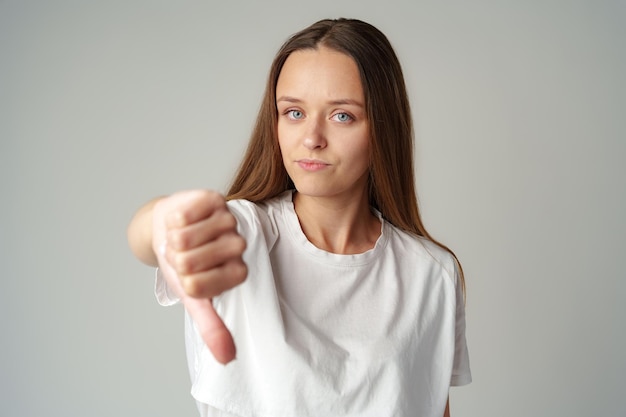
[[236, 243], [239, 272], [242, 243], [182, 263], [229, 220], [215, 198], [176, 239], [190, 285]]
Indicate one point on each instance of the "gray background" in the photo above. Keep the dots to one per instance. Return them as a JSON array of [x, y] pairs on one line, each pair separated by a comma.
[[520, 126]]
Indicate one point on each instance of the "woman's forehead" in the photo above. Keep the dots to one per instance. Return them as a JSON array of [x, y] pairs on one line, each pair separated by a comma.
[[320, 73]]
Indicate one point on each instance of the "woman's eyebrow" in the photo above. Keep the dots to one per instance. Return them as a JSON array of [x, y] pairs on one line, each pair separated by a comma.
[[345, 101], [288, 99]]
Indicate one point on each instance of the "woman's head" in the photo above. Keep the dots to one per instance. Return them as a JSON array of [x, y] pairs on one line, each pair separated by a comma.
[[323, 128], [262, 174], [391, 182]]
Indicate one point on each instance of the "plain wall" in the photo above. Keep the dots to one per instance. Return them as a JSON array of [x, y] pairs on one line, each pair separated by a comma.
[[521, 135]]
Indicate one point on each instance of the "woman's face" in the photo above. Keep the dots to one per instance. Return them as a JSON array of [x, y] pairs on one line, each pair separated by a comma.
[[323, 131]]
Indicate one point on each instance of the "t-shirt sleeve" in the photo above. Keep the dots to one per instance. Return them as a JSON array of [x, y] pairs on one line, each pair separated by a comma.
[[164, 295], [461, 373], [251, 222]]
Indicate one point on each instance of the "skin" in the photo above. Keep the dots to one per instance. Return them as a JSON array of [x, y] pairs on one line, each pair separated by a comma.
[[323, 134], [192, 237]]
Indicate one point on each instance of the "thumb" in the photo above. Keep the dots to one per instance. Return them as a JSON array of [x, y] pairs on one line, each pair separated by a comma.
[[212, 329]]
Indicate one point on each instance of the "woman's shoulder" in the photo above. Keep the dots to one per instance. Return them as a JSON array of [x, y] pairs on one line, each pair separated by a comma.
[[250, 210], [423, 250], [261, 218]]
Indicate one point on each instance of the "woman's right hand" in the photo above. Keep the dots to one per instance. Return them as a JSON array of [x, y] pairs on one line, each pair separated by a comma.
[[200, 253]]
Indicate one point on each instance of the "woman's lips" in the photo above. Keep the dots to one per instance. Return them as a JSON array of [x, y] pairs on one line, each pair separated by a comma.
[[311, 165]]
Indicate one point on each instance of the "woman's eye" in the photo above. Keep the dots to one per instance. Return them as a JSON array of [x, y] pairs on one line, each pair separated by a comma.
[[295, 114], [342, 117]]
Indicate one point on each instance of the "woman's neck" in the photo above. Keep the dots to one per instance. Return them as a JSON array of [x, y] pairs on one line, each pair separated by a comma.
[[336, 225]]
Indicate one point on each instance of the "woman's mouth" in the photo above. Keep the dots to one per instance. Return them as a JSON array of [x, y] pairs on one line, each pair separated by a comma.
[[311, 165]]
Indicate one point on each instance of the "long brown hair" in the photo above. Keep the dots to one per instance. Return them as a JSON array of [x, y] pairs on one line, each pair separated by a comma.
[[262, 174]]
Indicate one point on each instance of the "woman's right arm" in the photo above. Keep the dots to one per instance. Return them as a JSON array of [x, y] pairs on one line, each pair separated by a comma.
[[139, 234], [200, 255]]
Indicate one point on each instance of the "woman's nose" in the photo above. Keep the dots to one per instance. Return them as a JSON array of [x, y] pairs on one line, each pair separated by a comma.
[[314, 135]]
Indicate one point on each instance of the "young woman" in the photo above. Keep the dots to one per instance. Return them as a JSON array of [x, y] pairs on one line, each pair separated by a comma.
[[316, 265]]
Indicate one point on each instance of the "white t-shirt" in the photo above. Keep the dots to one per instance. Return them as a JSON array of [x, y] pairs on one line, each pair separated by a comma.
[[381, 333]]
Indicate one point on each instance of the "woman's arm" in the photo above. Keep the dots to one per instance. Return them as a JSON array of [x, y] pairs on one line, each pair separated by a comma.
[[447, 412], [139, 234], [200, 255]]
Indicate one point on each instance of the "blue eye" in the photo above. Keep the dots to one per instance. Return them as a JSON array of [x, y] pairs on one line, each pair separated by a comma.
[[295, 114], [343, 117]]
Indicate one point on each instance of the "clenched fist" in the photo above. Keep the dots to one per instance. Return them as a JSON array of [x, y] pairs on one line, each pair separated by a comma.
[[195, 240]]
